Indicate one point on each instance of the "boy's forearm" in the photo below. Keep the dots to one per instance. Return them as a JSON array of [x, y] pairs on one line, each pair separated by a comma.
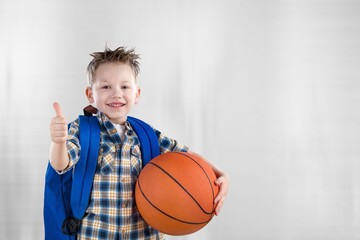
[[59, 158]]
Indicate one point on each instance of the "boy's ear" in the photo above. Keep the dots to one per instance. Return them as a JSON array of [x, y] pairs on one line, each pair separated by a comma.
[[89, 94], [137, 95]]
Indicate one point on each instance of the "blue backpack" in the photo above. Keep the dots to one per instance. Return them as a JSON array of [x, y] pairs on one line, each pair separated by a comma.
[[66, 196]]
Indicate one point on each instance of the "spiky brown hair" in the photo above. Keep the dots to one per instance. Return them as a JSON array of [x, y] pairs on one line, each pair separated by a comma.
[[121, 55]]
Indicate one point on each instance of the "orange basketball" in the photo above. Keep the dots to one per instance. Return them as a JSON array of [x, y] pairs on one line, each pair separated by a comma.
[[175, 193]]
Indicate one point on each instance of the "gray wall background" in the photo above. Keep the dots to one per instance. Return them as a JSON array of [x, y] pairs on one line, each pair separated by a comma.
[[266, 90]]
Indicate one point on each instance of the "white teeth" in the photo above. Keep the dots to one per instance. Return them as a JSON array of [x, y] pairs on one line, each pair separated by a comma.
[[115, 104]]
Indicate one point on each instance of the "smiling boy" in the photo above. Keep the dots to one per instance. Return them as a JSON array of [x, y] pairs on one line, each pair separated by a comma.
[[113, 90]]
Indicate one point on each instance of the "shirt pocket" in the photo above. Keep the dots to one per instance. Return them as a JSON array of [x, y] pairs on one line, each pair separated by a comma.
[[135, 160], [106, 163]]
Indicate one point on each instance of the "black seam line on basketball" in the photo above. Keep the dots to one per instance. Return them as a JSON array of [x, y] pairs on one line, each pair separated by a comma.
[[212, 190], [166, 214], [202, 209]]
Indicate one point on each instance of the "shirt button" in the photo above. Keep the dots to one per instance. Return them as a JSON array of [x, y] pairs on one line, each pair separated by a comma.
[[113, 131], [123, 179], [124, 205]]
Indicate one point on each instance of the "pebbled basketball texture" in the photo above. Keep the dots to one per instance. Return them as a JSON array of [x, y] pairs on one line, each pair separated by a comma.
[[175, 193]]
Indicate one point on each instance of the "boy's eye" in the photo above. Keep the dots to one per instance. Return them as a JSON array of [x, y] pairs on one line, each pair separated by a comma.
[[124, 87], [106, 87]]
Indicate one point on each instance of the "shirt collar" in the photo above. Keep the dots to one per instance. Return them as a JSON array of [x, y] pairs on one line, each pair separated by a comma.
[[106, 124]]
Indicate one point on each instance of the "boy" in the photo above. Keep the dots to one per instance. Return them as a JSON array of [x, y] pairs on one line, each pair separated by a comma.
[[113, 90]]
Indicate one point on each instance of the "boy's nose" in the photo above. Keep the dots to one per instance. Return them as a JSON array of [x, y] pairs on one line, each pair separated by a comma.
[[117, 96], [117, 93]]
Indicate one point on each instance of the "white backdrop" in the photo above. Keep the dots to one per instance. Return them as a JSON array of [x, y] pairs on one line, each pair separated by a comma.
[[269, 91]]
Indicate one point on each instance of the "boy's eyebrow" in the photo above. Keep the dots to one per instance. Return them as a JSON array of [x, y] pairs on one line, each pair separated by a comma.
[[121, 81], [103, 80]]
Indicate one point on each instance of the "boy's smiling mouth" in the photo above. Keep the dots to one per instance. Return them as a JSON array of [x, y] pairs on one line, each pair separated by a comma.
[[116, 105]]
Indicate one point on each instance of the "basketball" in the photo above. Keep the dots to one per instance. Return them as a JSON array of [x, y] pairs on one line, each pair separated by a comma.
[[175, 193]]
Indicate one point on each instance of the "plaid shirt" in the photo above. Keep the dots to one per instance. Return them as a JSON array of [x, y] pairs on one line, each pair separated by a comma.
[[112, 212]]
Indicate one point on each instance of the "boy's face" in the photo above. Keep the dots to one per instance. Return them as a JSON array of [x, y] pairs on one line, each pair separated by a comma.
[[114, 91]]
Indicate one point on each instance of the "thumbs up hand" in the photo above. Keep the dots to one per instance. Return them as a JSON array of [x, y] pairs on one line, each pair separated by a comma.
[[58, 126]]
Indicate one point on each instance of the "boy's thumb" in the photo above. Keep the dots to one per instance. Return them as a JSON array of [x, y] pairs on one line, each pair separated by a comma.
[[57, 109]]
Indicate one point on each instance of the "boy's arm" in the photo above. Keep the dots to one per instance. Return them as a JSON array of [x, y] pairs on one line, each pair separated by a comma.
[[223, 182], [59, 158]]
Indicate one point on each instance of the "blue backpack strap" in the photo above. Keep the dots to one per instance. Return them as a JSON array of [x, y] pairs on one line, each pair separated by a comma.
[[84, 172], [149, 142]]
